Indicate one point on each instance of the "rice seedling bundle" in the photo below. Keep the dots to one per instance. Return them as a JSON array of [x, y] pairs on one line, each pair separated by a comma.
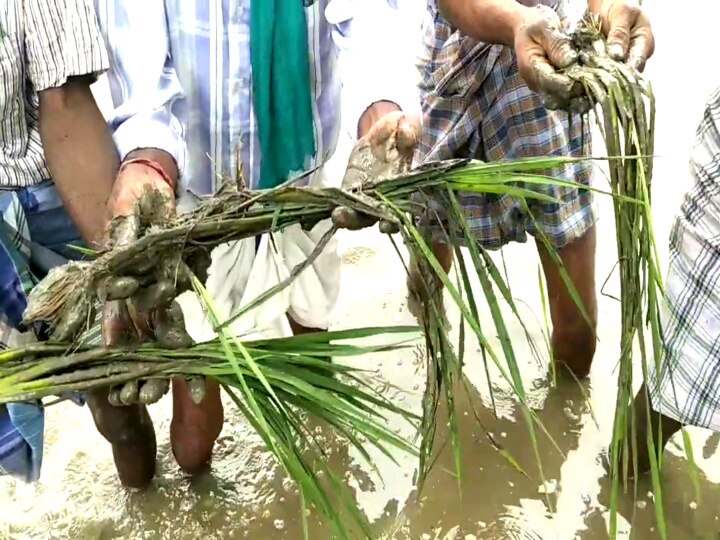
[[275, 383], [625, 108]]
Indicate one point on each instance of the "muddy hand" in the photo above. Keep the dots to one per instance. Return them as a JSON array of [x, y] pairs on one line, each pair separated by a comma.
[[168, 326], [385, 149], [119, 331], [151, 391], [629, 34], [543, 50], [141, 198], [134, 208], [145, 392]]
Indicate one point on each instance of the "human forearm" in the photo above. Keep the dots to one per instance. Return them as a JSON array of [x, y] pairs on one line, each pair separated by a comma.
[[491, 21], [80, 154]]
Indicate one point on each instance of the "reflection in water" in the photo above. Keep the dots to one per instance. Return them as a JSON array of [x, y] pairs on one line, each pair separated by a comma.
[[493, 496]]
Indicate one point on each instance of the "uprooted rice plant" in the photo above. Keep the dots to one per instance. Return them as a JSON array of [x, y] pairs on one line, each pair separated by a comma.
[[626, 118], [273, 381]]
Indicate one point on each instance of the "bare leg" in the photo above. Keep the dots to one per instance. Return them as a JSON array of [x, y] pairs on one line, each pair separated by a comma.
[[417, 285], [573, 338], [298, 329], [660, 425], [195, 428], [130, 432]]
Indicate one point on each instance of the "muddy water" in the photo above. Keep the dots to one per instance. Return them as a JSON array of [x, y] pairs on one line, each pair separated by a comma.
[[245, 497]]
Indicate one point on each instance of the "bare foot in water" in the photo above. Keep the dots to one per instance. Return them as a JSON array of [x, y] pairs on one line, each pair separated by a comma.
[[645, 418]]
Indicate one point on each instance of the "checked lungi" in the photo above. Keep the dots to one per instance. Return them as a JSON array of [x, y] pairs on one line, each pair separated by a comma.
[[476, 105], [687, 385], [35, 234]]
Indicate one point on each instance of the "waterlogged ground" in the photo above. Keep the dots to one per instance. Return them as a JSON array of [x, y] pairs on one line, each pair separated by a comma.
[[245, 497]]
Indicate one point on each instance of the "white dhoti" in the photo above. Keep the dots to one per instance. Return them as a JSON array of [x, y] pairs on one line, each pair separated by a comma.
[[240, 272]]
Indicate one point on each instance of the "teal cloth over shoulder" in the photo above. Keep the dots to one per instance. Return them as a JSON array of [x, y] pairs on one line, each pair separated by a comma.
[[281, 88]]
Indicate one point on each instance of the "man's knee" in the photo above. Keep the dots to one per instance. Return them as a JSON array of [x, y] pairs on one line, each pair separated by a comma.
[[130, 432], [192, 444], [195, 428], [193, 452], [119, 425]]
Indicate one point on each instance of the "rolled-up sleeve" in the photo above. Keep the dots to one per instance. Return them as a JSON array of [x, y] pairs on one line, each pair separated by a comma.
[[62, 40], [379, 41], [143, 83]]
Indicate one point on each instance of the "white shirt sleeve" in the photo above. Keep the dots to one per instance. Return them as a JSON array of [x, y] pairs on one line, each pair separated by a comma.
[[379, 42], [62, 40], [143, 82]]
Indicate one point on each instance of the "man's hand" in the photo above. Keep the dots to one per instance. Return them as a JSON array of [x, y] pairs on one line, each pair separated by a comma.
[[387, 138], [392, 136], [387, 141], [542, 49], [627, 27], [141, 197], [140, 307]]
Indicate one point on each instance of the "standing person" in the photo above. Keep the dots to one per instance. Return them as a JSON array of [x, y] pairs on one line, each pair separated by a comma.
[[685, 390], [202, 89], [57, 164], [488, 72]]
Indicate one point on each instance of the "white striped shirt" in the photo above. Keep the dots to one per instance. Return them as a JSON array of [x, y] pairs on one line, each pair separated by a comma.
[[42, 44], [181, 82]]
